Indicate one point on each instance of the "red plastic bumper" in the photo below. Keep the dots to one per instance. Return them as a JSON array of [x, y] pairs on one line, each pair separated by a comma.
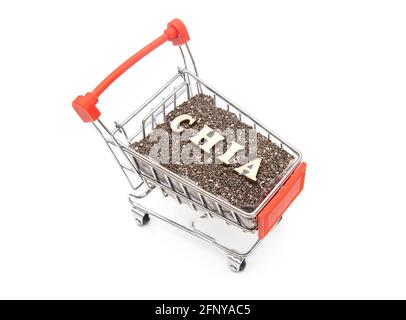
[[275, 208]]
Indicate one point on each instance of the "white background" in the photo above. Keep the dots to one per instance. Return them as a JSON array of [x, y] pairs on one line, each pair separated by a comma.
[[329, 76]]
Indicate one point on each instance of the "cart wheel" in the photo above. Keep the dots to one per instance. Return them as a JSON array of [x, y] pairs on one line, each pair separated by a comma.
[[236, 264], [142, 220], [280, 220]]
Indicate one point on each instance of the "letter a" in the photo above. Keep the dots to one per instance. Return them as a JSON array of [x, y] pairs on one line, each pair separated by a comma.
[[250, 169]]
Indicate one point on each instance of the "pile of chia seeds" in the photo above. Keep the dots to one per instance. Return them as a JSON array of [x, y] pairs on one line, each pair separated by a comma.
[[217, 178]]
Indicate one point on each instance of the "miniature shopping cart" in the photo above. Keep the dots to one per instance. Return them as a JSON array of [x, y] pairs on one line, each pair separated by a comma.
[[145, 175]]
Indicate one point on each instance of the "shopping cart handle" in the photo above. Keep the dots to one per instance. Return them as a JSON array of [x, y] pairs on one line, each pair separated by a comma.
[[85, 105]]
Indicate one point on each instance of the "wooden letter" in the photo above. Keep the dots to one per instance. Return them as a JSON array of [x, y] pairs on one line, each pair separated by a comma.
[[210, 141], [175, 124], [234, 148], [250, 169]]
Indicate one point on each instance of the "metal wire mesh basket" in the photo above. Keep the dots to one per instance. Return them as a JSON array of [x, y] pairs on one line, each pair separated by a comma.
[[144, 174]]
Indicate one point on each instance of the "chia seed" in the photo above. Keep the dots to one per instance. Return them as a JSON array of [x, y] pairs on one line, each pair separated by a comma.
[[219, 179]]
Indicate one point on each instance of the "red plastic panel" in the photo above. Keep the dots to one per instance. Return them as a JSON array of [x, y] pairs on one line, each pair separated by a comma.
[[275, 208]]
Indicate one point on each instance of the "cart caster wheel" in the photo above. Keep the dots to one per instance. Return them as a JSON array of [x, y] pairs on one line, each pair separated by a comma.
[[279, 221], [141, 220], [236, 264]]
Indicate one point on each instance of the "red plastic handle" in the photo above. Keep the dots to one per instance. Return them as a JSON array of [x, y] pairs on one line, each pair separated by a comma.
[[85, 105]]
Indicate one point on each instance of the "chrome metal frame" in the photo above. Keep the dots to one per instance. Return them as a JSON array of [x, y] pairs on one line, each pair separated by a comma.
[[144, 174]]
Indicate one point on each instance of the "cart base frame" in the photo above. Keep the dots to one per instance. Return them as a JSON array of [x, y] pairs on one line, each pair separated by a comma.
[[236, 260]]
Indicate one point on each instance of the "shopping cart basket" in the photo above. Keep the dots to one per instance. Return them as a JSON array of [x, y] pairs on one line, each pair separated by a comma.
[[144, 174]]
